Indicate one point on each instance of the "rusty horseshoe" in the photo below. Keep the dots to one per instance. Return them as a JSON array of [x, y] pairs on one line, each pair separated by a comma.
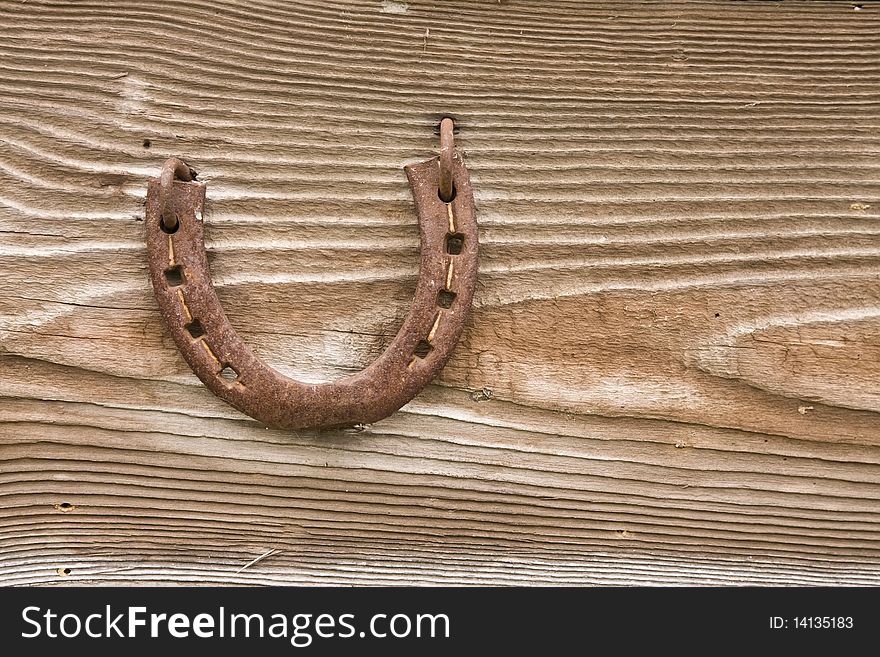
[[229, 368]]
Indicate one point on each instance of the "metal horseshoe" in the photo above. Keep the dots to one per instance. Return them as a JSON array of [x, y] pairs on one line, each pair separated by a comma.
[[227, 366]]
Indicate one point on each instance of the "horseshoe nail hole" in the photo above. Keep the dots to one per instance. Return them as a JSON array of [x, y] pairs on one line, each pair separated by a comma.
[[451, 196], [166, 230], [65, 507], [454, 243], [147, 143], [195, 328], [174, 276], [229, 374], [445, 298], [423, 348], [64, 572]]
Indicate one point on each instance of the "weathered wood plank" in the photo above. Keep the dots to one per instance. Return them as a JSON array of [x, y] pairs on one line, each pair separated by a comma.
[[672, 371]]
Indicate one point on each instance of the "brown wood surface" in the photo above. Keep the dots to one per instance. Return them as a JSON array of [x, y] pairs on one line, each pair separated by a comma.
[[672, 373]]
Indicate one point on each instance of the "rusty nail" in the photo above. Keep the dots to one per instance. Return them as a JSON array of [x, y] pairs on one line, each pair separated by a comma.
[[446, 151], [173, 168]]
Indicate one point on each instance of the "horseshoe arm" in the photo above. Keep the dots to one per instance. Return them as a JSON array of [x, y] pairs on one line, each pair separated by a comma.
[[229, 368]]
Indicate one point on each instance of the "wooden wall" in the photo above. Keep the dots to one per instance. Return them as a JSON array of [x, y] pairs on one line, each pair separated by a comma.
[[672, 375]]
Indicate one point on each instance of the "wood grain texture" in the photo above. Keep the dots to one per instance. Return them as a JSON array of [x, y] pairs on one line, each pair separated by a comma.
[[672, 372]]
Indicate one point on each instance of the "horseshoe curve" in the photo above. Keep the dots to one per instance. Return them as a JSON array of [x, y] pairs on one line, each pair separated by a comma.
[[229, 368]]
